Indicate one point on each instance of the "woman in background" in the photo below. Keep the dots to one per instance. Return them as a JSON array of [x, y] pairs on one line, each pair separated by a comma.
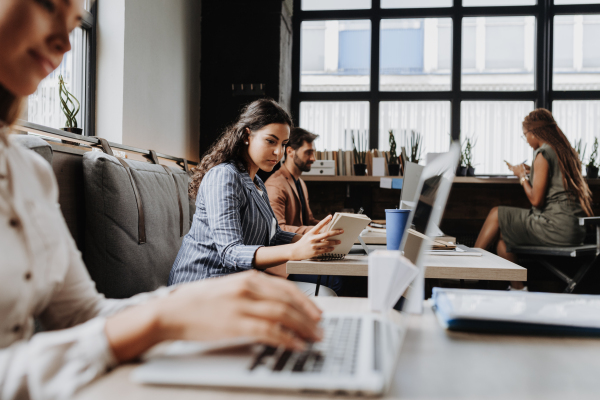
[[556, 189], [234, 227], [43, 276]]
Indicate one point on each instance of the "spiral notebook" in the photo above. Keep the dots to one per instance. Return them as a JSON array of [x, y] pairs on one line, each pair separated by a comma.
[[353, 225]]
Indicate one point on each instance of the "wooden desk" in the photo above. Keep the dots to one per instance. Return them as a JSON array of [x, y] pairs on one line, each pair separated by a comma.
[[434, 364], [487, 267]]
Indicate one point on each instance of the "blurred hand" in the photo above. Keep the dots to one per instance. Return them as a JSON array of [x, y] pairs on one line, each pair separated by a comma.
[[248, 304], [313, 243], [519, 170]]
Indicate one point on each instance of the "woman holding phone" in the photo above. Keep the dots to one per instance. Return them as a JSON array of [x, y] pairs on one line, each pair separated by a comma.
[[234, 227], [556, 189], [44, 277]]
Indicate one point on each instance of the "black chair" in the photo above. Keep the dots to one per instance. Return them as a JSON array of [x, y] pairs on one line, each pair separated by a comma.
[[543, 255]]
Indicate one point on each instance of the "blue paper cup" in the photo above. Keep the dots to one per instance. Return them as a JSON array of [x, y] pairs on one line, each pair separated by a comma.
[[395, 223]]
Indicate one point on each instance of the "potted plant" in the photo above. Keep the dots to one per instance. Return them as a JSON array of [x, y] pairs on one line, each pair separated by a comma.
[[392, 160], [70, 106], [415, 147], [360, 154], [468, 157], [592, 166]]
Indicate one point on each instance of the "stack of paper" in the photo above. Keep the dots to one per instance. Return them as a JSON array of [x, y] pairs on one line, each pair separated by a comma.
[[389, 276]]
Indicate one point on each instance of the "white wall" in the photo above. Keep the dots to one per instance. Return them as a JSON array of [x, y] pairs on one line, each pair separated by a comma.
[[151, 99]]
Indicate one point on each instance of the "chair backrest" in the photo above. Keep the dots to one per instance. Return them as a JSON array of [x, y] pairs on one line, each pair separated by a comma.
[[136, 216], [36, 144]]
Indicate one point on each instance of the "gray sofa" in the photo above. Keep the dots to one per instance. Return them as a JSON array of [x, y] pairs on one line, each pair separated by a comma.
[[103, 198]]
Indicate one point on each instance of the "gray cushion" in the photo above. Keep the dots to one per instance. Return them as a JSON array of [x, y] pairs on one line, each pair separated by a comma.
[[36, 144], [120, 266]]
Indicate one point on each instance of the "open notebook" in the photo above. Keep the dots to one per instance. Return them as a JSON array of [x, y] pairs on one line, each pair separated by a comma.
[[353, 225]]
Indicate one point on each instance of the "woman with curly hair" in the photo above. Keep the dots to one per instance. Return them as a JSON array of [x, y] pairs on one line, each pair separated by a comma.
[[556, 189], [234, 227]]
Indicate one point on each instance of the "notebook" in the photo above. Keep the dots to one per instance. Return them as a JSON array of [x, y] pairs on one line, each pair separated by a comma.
[[353, 225], [517, 312]]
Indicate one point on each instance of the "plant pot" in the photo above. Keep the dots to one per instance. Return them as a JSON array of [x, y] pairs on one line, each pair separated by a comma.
[[360, 169], [461, 171], [78, 131], [592, 172], [470, 171], [394, 169]]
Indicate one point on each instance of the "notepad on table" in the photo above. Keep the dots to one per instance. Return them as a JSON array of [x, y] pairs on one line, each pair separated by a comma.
[[352, 224]]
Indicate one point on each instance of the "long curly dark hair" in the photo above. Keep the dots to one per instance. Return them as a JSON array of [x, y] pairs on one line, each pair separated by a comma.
[[230, 145], [541, 124]]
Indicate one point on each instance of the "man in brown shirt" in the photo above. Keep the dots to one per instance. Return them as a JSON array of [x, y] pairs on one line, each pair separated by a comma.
[[287, 191]]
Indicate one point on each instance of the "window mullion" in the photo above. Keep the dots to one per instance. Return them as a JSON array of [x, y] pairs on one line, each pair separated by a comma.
[[456, 68], [375, 57]]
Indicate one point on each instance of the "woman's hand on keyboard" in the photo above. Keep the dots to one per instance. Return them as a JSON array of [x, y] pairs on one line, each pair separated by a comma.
[[243, 305]]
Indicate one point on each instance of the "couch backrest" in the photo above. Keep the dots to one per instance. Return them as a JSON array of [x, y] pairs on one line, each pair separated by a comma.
[[136, 216]]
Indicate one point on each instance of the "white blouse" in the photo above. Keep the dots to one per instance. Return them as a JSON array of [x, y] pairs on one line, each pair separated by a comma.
[[43, 276]]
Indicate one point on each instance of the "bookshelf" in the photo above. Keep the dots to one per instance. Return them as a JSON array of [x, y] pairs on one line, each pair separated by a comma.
[[337, 178]]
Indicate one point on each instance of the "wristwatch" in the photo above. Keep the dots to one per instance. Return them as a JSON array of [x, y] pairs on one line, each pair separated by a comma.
[[522, 180]]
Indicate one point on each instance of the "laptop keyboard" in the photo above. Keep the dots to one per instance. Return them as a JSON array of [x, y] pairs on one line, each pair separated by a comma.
[[334, 355]]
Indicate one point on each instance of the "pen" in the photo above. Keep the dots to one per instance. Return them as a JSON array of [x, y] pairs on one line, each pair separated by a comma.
[[360, 210]]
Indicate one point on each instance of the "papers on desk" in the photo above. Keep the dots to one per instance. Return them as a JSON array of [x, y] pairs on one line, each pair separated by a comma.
[[517, 312], [460, 250], [389, 276]]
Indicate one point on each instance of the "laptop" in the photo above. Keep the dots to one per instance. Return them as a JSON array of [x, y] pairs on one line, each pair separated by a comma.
[[430, 200]]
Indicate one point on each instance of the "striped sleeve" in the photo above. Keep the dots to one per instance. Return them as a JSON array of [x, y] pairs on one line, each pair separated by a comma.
[[223, 201]]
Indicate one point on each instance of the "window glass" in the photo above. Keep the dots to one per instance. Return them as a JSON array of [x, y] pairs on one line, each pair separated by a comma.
[[43, 106], [309, 5], [579, 120], [489, 3], [498, 53], [576, 63], [576, 2], [415, 3], [495, 127], [335, 55], [330, 119], [415, 54], [429, 118]]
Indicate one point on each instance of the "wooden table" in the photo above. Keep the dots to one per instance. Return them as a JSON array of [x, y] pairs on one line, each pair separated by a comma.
[[434, 365], [487, 267]]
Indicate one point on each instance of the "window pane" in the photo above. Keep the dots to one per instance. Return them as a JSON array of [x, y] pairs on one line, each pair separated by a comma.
[[335, 56], [489, 3], [415, 3], [498, 53], [496, 128], [579, 120], [329, 119], [43, 106], [416, 54], [576, 2], [430, 118], [576, 52], [308, 5]]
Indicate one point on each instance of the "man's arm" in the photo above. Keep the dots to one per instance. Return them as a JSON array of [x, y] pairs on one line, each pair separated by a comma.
[[311, 219], [278, 200]]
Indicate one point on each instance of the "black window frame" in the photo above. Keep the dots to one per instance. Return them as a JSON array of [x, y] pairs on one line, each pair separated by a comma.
[[543, 95]]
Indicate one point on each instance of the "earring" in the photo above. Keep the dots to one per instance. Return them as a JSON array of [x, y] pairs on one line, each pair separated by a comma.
[[246, 142]]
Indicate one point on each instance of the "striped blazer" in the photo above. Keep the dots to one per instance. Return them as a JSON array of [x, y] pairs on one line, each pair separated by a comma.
[[231, 222]]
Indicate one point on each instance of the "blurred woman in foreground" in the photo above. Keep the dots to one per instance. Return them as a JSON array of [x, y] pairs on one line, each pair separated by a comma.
[[43, 276]]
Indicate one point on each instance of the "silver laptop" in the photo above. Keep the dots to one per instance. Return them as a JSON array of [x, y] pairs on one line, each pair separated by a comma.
[[357, 356], [429, 203]]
